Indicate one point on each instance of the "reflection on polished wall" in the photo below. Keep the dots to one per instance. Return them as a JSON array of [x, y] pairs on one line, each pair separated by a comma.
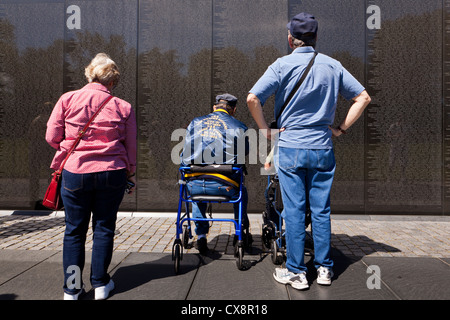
[[176, 55]]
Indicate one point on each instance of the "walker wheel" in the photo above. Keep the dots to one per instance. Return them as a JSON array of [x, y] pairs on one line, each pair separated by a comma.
[[176, 256], [267, 236], [276, 258], [239, 253]]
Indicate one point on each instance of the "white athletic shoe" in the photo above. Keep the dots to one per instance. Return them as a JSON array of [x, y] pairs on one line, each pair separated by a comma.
[[296, 280], [68, 296], [101, 293], [324, 276]]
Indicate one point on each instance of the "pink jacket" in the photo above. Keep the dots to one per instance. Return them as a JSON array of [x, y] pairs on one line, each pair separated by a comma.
[[109, 143]]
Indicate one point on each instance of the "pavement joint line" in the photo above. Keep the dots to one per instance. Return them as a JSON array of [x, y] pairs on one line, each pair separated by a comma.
[[382, 281], [34, 265]]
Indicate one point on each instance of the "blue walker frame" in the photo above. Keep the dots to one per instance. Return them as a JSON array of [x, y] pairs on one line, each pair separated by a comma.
[[186, 233]]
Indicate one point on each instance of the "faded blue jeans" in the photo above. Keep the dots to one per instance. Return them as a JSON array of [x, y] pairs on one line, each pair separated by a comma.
[[214, 188], [100, 193], [306, 173]]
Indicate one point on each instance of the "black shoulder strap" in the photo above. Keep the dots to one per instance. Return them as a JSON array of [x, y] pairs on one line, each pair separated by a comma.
[[299, 83]]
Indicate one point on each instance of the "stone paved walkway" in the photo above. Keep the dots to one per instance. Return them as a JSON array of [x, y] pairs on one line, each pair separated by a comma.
[[155, 233]]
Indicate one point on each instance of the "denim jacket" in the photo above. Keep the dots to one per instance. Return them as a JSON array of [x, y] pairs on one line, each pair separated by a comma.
[[216, 138]]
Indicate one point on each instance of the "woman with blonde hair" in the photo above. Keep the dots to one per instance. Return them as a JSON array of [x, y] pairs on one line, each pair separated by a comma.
[[96, 173]]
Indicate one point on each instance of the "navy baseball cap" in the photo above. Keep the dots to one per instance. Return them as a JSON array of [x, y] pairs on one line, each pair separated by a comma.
[[303, 23], [230, 99]]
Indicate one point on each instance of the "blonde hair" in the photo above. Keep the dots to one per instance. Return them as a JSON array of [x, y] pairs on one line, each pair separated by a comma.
[[102, 69]]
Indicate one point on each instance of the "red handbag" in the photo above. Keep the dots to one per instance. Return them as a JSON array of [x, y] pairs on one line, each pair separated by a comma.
[[52, 199]]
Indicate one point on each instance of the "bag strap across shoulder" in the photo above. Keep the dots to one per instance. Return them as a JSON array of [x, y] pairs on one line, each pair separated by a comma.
[[81, 134], [297, 86]]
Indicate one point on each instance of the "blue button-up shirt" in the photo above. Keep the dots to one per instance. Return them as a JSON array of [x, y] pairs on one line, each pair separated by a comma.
[[312, 109]]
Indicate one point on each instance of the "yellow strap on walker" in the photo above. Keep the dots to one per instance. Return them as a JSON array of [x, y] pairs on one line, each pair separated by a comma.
[[217, 175]]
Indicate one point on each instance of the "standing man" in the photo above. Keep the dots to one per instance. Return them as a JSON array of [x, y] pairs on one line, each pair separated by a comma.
[[305, 157], [217, 138]]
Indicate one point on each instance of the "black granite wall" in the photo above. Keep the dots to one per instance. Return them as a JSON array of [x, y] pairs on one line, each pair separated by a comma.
[[176, 55]]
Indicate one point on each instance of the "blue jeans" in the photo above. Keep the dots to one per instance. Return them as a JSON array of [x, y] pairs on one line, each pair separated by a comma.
[[306, 174], [215, 188], [100, 193]]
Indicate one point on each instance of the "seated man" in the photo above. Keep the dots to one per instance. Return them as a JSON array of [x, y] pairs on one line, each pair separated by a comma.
[[216, 138]]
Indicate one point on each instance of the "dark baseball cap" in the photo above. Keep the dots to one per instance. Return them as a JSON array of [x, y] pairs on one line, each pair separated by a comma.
[[303, 26], [230, 99]]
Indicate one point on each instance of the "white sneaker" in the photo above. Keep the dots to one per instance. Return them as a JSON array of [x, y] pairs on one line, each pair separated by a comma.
[[324, 276], [68, 296], [101, 293], [296, 280]]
